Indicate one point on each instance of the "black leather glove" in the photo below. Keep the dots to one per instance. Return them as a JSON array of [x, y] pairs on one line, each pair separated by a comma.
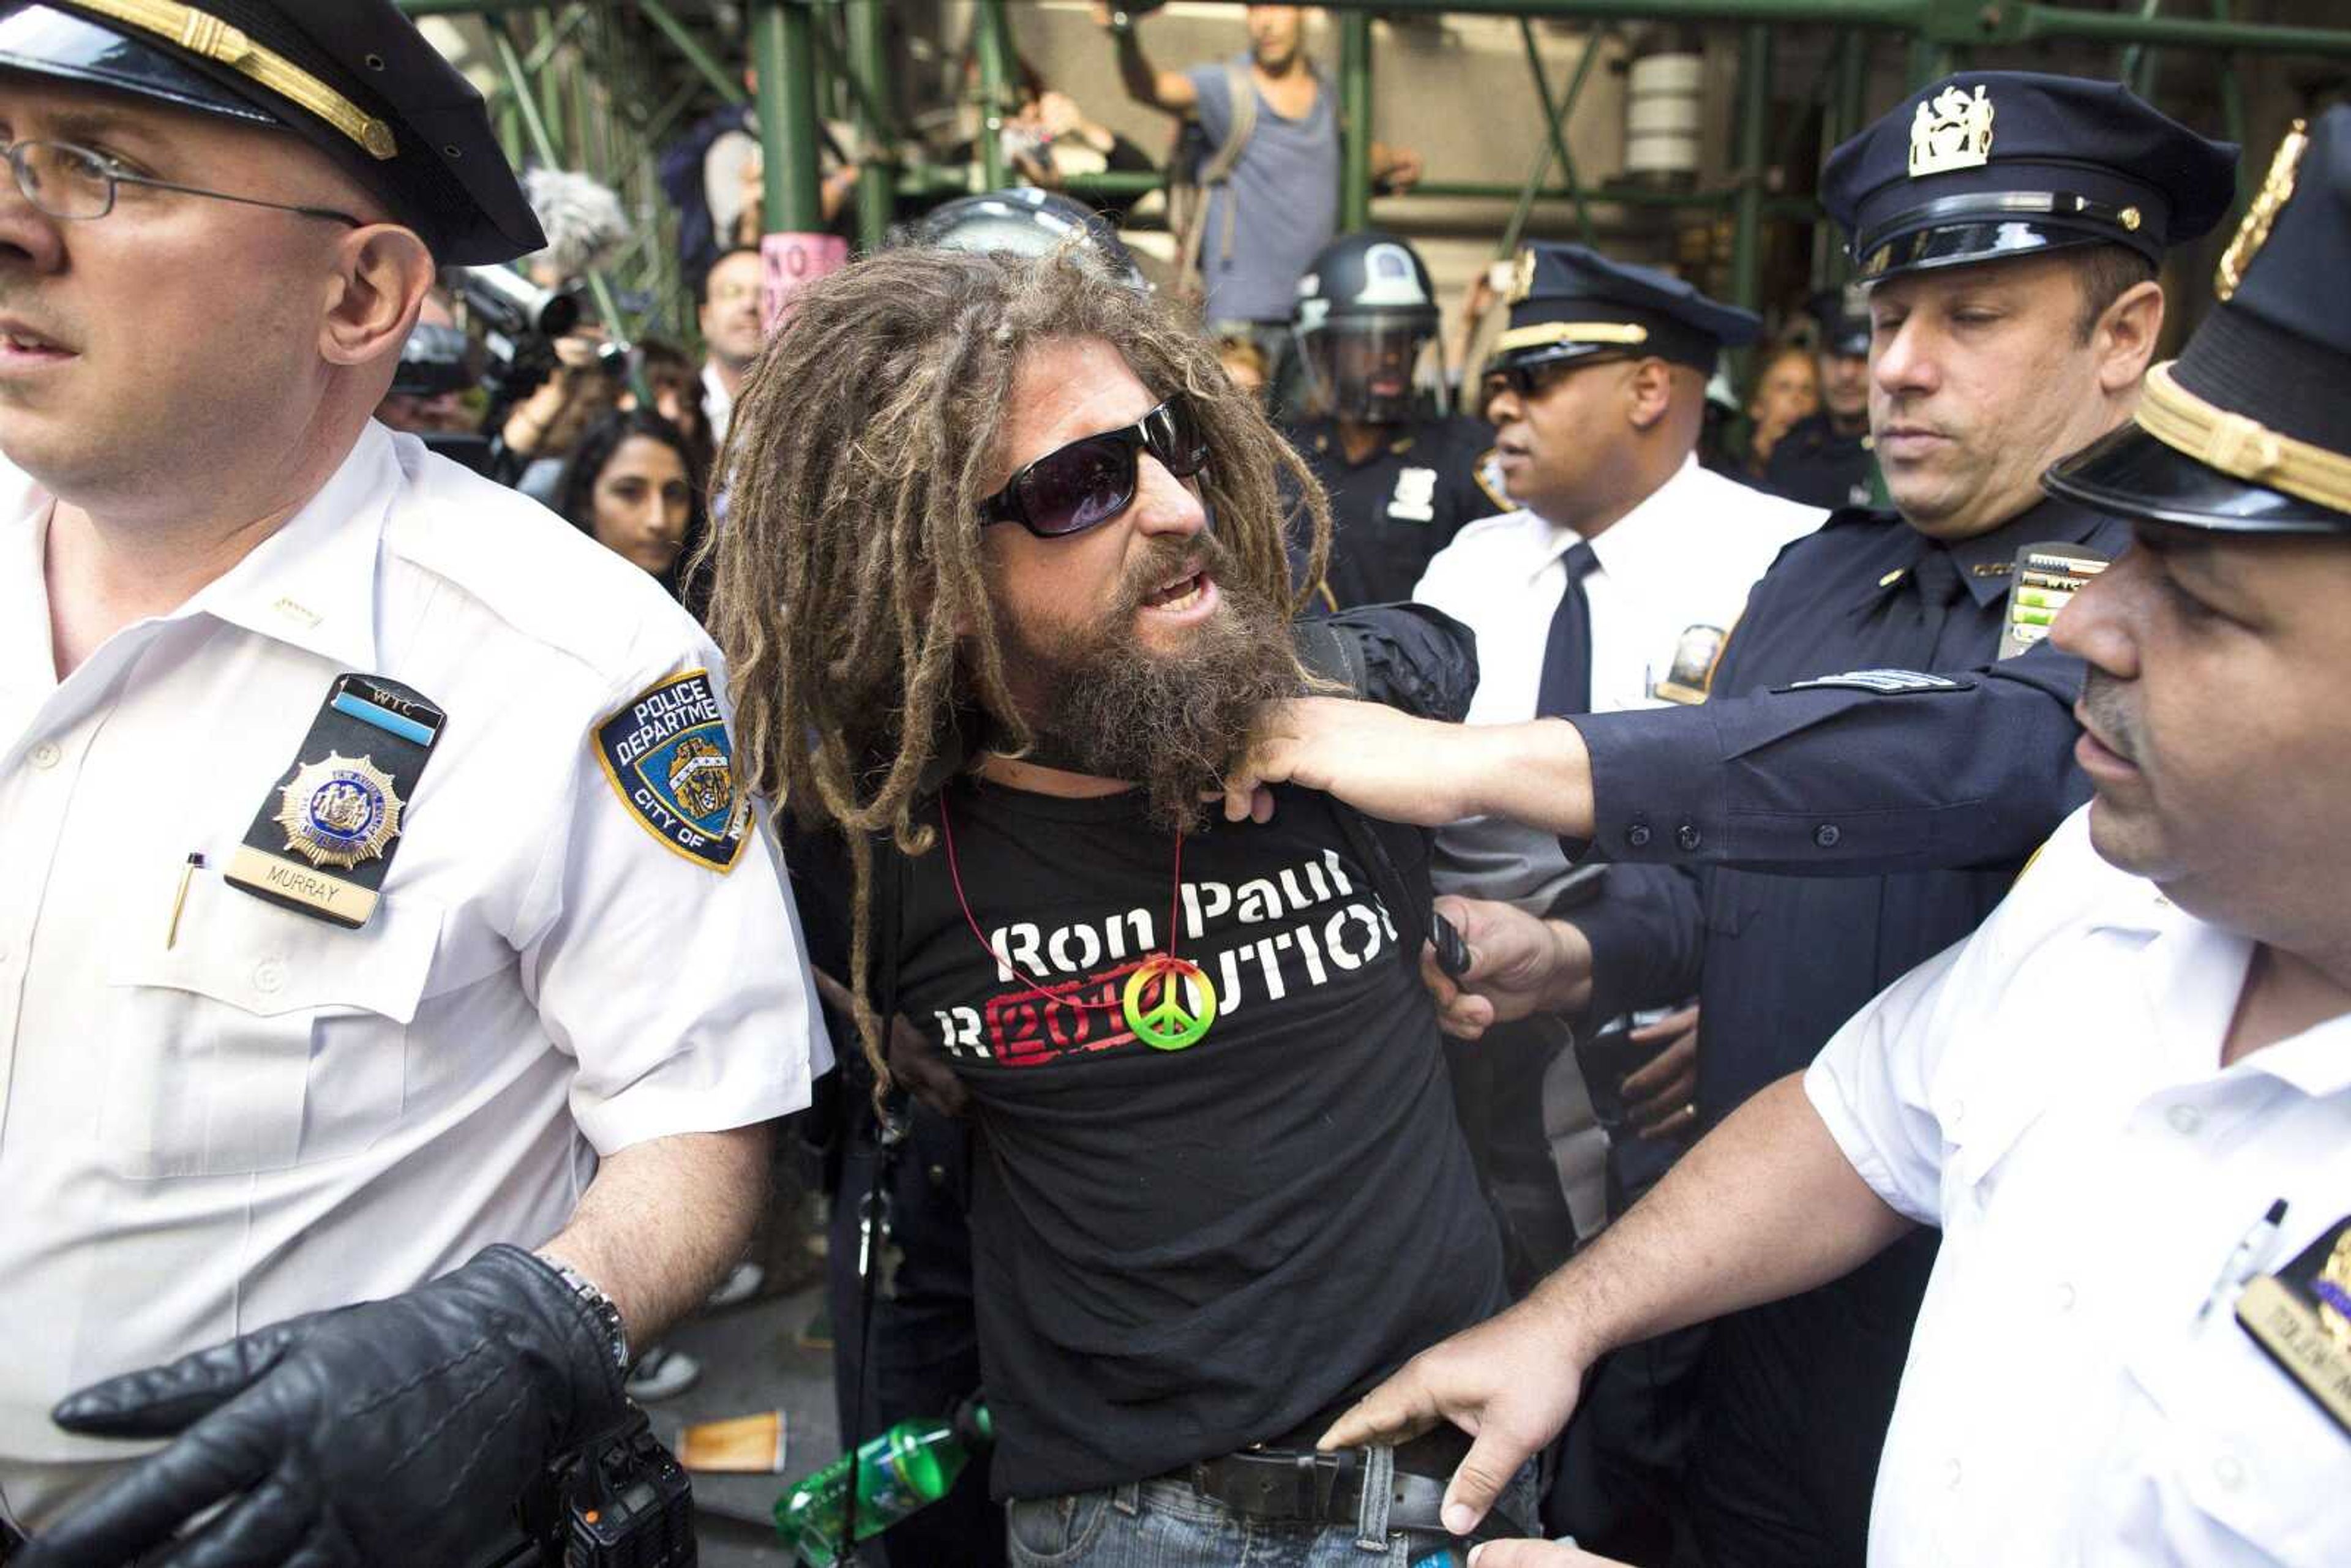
[[392, 1432]]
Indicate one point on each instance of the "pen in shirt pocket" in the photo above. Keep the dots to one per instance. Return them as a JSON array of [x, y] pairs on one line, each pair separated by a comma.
[[2245, 1260], [180, 900]]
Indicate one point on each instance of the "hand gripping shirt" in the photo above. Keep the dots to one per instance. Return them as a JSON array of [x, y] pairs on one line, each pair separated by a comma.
[[213, 1121], [2049, 1092]]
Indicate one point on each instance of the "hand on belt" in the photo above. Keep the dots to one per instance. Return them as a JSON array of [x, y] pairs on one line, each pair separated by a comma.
[[1315, 1487]]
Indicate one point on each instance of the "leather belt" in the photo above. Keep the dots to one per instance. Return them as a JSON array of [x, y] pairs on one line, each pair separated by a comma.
[[1289, 1479]]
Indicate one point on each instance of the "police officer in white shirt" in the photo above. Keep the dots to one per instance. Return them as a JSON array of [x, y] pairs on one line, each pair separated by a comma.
[[378, 901], [1612, 587], [2127, 1099]]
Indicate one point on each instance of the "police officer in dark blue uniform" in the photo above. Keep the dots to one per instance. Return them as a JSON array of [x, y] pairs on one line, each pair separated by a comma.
[[1825, 459], [1402, 481], [1866, 734]]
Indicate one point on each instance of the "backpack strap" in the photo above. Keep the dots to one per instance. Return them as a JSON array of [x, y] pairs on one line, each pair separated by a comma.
[[1214, 170]]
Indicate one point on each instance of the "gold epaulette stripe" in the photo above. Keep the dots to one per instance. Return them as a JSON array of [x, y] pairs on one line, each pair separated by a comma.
[[202, 32], [1550, 333], [2240, 446]]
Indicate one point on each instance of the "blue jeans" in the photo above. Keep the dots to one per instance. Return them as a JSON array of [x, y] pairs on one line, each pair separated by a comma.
[[1166, 1525]]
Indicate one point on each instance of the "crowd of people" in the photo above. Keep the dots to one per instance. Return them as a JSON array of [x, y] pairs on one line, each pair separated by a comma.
[[1388, 960]]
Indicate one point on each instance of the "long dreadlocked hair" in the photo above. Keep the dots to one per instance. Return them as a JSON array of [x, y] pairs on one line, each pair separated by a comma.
[[850, 598]]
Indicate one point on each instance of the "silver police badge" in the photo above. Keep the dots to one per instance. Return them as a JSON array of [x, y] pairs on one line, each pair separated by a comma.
[[339, 811]]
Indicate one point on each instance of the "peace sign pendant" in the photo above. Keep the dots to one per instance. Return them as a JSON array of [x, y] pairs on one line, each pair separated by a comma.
[[1169, 1004]]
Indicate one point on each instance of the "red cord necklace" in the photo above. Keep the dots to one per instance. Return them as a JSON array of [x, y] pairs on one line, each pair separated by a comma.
[[1167, 1000]]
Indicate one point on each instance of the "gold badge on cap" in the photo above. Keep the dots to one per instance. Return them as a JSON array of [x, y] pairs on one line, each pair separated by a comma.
[[339, 811], [2254, 231], [1953, 132], [1523, 275]]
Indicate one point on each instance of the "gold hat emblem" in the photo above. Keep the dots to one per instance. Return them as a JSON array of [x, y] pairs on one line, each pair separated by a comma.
[[1523, 275], [2254, 231], [1953, 132], [339, 811]]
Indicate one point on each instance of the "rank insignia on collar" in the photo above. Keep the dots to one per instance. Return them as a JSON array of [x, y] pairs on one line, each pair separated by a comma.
[[2044, 578], [669, 757], [1955, 133], [2302, 1316], [323, 841]]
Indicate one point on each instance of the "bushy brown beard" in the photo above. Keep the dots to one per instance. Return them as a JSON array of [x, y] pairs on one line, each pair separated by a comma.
[[1173, 722]]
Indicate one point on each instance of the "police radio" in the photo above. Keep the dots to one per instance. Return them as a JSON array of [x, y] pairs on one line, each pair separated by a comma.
[[620, 1500]]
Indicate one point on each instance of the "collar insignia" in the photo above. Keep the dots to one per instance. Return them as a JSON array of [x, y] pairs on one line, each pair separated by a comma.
[[1952, 133]]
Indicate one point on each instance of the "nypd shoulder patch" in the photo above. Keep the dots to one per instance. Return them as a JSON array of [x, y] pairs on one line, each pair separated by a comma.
[[671, 761], [1884, 683]]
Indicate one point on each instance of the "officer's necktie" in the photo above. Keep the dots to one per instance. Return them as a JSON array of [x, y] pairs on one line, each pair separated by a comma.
[[1936, 579], [1566, 685]]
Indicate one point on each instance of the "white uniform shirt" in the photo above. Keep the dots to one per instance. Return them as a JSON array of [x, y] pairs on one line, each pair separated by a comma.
[[1685, 557], [2048, 1092], [717, 403], [274, 1113]]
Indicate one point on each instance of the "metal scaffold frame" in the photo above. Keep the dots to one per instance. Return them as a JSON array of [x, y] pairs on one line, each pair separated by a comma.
[[611, 117]]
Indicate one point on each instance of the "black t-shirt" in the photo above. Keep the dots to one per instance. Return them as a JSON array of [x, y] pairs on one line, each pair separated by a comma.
[[1177, 1253]]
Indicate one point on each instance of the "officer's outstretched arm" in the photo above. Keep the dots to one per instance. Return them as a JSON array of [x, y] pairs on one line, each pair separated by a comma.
[[1405, 770], [1764, 1206]]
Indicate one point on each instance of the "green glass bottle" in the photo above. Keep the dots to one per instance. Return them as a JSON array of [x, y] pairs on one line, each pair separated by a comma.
[[914, 1463]]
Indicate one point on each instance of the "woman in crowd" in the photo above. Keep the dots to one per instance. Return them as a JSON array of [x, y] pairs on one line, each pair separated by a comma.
[[1786, 389], [635, 485]]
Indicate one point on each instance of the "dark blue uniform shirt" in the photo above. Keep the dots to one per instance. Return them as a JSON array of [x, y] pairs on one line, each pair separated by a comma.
[[1902, 818], [1815, 465], [1401, 505]]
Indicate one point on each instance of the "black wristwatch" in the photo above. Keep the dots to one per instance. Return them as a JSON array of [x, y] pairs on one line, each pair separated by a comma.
[[600, 1307]]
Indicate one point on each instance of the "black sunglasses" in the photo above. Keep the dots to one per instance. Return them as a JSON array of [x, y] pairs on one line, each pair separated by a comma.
[[1072, 488], [1531, 380]]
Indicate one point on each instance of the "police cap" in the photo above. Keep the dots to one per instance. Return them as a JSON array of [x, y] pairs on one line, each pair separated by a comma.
[[1987, 164], [1570, 302], [1843, 315], [2248, 431], [353, 77]]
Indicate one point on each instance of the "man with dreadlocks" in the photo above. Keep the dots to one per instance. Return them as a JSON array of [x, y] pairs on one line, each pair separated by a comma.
[[1217, 1189]]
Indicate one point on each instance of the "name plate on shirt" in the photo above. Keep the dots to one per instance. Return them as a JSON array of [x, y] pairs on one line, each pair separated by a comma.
[[2046, 577], [2302, 1316], [325, 835]]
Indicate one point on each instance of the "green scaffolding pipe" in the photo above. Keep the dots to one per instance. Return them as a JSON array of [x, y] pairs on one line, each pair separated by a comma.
[[2137, 67], [869, 61], [1555, 140], [995, 69], [1849, 112], [1754, 123], [1354, 123], [785, 55], [2036, 22], [721, 82], [510, 62], [1993, 23]]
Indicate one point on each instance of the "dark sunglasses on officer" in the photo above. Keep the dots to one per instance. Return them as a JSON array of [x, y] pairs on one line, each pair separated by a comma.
[[1530, 380], [1092, 480]]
